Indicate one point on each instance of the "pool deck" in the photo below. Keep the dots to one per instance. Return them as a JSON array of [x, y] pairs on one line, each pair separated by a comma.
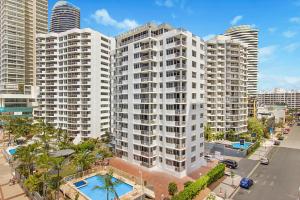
[[7, 191], [70, 189], [159, 181]]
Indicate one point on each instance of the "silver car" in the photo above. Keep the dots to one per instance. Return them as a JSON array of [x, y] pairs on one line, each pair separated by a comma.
[[264, 161]]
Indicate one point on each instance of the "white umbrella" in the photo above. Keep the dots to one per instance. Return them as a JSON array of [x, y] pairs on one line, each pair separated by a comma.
[[77, 139]]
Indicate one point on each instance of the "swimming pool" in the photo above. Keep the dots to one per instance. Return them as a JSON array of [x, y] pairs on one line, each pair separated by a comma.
[[236, 145], [12, 150], [98, 194]]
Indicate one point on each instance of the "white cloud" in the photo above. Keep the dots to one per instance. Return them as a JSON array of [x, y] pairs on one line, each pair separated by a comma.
[[289, 34], [295, 20], [165, 3], [102, 16], [272, 29], [207, 37], [236, 19], [292, 47], [265, 53], [281, 81]]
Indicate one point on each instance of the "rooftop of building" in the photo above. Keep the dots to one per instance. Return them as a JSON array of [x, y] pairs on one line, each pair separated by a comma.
[[61, 3], [242, 27]]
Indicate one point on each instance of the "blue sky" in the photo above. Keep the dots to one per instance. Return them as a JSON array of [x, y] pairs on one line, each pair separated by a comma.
[[277, 20]]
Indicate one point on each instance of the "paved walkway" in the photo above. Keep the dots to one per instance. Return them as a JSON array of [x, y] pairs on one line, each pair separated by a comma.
[[7, 191], [159, 180]]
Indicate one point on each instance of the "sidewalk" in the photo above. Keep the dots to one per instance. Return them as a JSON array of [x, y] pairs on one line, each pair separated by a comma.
[[262, 151], [7, 191], [227, 187]]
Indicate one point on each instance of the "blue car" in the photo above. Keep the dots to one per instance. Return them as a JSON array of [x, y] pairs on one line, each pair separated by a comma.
[[246, 183]]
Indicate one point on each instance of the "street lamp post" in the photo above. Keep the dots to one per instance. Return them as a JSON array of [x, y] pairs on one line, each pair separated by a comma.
[[142, 183]]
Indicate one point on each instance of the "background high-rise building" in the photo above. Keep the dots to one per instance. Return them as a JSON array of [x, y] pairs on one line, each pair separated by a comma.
[[73, 75], [248, 35], [20, 21], [280, 97], [226, 78], [159, 98], [65, 16]]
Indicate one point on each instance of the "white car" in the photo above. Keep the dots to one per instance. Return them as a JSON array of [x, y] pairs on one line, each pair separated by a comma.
[[264, 161], [208, 157]]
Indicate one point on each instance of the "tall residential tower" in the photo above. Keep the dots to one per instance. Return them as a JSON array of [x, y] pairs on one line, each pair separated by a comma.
[[226, 77], [249, 36], [73, 75], [159, 98], [65, 16], [20, 21]]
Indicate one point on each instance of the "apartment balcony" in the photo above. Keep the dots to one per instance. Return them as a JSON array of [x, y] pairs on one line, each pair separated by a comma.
[[148, 165], [145, 111], [144, 143], [176, 157], [145, 133], [144, 100]]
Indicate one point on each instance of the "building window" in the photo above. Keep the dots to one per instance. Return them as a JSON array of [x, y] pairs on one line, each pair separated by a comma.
[[193, 149], [193, 159]]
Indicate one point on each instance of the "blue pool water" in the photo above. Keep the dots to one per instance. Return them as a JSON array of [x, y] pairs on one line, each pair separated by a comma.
[[98, 194], [236, 145], [12, 151]]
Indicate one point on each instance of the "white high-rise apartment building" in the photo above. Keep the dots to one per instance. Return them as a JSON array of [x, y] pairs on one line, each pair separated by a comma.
[[248, 35], [159, 98], [20, 21], [226, 78], [73, 75], [279, 96]]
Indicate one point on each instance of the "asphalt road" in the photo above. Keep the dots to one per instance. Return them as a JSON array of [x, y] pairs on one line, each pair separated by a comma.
[[280, 180], [245, 167]]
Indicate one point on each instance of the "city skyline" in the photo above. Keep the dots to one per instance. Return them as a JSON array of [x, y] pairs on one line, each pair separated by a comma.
[[277, 33]]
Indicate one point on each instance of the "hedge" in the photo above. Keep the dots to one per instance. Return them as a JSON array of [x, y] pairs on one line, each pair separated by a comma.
[[252, 148], [194, 188], [216, 173]]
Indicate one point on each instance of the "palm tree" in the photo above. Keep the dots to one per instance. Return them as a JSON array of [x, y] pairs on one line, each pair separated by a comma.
[[108, 185], [46, 132], [57, 165], [84, 159], [26, 155], [33, 183], [43, 164]]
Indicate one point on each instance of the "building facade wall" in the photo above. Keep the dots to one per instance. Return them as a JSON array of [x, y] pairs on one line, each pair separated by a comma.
[[226, 79], [289, 98], [19, 23], [159, 98], [65, 16], [73, 78], [249, 36]]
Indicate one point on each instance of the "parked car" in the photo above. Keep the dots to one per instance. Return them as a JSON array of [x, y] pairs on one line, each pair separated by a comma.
[[246, 183], [232, 164], [277, 142], [208, 157], [281, 137], [264, 161]]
